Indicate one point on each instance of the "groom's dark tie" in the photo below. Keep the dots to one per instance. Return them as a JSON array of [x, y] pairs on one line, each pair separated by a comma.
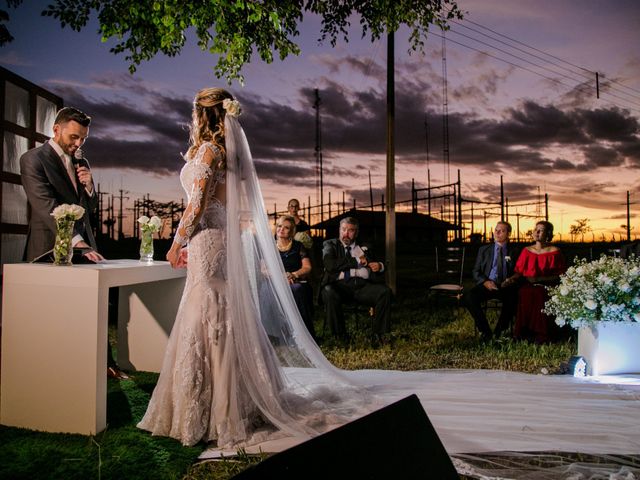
[[348, 250]]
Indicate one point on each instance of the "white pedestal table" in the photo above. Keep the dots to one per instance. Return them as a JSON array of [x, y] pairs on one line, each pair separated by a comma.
[[54, 337]]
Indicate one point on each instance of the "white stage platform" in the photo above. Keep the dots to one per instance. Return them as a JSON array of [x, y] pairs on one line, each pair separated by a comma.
[[480, 411]]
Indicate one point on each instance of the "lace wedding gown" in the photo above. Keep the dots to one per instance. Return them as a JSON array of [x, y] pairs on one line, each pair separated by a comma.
[[224, 378], [197, 396]]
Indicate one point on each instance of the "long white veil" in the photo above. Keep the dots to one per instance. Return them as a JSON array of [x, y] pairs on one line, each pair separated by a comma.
[[289, 379], [295, 387]]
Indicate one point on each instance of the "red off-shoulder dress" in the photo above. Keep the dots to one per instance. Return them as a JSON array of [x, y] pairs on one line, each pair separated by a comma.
[[531, 322]]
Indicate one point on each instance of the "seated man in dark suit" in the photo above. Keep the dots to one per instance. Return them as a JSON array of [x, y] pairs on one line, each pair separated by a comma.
[[351, 276], [494, 263]]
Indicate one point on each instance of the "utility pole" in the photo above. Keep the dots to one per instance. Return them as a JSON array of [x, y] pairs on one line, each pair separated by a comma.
[[318, 150], [110, 219], [484, 236], [460, 206], [370, 191], [501, 199], [122, 197], [506, 202], [429, 192], [136, 215], [628, 216], [546, 207], [390, 217], [414, 197], [101, 209]]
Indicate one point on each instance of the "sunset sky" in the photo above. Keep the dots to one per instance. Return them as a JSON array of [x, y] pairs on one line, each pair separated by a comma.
[[521, 100]]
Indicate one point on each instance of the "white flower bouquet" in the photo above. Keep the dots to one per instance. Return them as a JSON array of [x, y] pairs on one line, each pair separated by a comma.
[[65, 216], [152, 224], [67, 212], [604, 289], [148, 226]]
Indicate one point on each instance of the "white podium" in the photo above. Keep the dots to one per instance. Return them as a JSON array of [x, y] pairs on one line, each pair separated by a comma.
[[54, 338]]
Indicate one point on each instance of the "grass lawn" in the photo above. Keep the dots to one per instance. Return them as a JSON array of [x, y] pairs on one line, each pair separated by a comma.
[[424, 337]]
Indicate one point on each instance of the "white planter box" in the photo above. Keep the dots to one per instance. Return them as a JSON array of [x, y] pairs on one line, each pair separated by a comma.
[[610, 348]]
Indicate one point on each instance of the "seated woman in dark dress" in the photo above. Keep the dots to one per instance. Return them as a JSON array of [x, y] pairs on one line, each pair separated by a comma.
[[298, 267], [539, 265]]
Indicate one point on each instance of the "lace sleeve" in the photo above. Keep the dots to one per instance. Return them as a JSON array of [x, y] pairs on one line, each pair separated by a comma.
[[207, 160]]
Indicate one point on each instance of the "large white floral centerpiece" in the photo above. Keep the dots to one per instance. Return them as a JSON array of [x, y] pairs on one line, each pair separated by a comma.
[[65, 216], [148, 226], [607, 289], [601, 299]]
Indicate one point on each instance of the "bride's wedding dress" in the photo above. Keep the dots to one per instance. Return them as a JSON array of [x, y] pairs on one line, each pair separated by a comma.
[[224, 378]]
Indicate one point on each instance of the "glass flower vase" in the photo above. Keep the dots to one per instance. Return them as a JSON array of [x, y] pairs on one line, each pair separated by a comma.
[[146, 247], [62, 249]]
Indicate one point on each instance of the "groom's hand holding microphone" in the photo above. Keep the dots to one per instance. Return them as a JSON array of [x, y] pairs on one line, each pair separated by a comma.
[[82, 170], [86, 179]]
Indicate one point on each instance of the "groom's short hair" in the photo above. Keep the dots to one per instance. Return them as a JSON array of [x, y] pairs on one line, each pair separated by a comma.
[[68, 114]]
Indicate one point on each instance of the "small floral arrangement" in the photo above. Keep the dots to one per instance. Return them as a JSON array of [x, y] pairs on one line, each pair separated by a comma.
[[65, 216], [66, 212], [151, 225], [232, 107], [604, 289], [148, 226]]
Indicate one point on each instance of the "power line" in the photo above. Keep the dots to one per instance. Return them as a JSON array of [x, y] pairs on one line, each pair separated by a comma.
[[555, 80], [516, 56], [589, 75], [528, 46]]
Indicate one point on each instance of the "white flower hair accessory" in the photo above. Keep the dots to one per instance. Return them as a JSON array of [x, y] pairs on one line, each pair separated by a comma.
[[232, 107]]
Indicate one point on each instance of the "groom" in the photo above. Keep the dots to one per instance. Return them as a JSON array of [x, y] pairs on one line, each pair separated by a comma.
[[51, 176]]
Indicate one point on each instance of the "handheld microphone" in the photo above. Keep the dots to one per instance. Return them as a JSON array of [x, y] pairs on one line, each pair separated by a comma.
[[78, 159]]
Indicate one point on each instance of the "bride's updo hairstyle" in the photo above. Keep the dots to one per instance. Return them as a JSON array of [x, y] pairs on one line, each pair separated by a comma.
[[207, 123]]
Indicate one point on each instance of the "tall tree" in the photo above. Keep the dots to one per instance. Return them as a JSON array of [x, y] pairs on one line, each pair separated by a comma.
[[235, 30], [581, 227], [5, 35]]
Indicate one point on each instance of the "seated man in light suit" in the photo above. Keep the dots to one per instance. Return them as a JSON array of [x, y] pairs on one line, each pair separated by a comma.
[[495, 262], [351, 276]]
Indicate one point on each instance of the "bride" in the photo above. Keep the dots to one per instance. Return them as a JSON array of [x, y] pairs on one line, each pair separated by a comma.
[[223, 378]]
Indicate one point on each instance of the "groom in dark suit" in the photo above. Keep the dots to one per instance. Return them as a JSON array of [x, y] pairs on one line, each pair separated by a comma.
[[52, 175], [350, 275], [494, 264], [56, 173]]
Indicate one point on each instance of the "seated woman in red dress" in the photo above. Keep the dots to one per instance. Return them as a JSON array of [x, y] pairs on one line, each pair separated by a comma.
[[538, 265]]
